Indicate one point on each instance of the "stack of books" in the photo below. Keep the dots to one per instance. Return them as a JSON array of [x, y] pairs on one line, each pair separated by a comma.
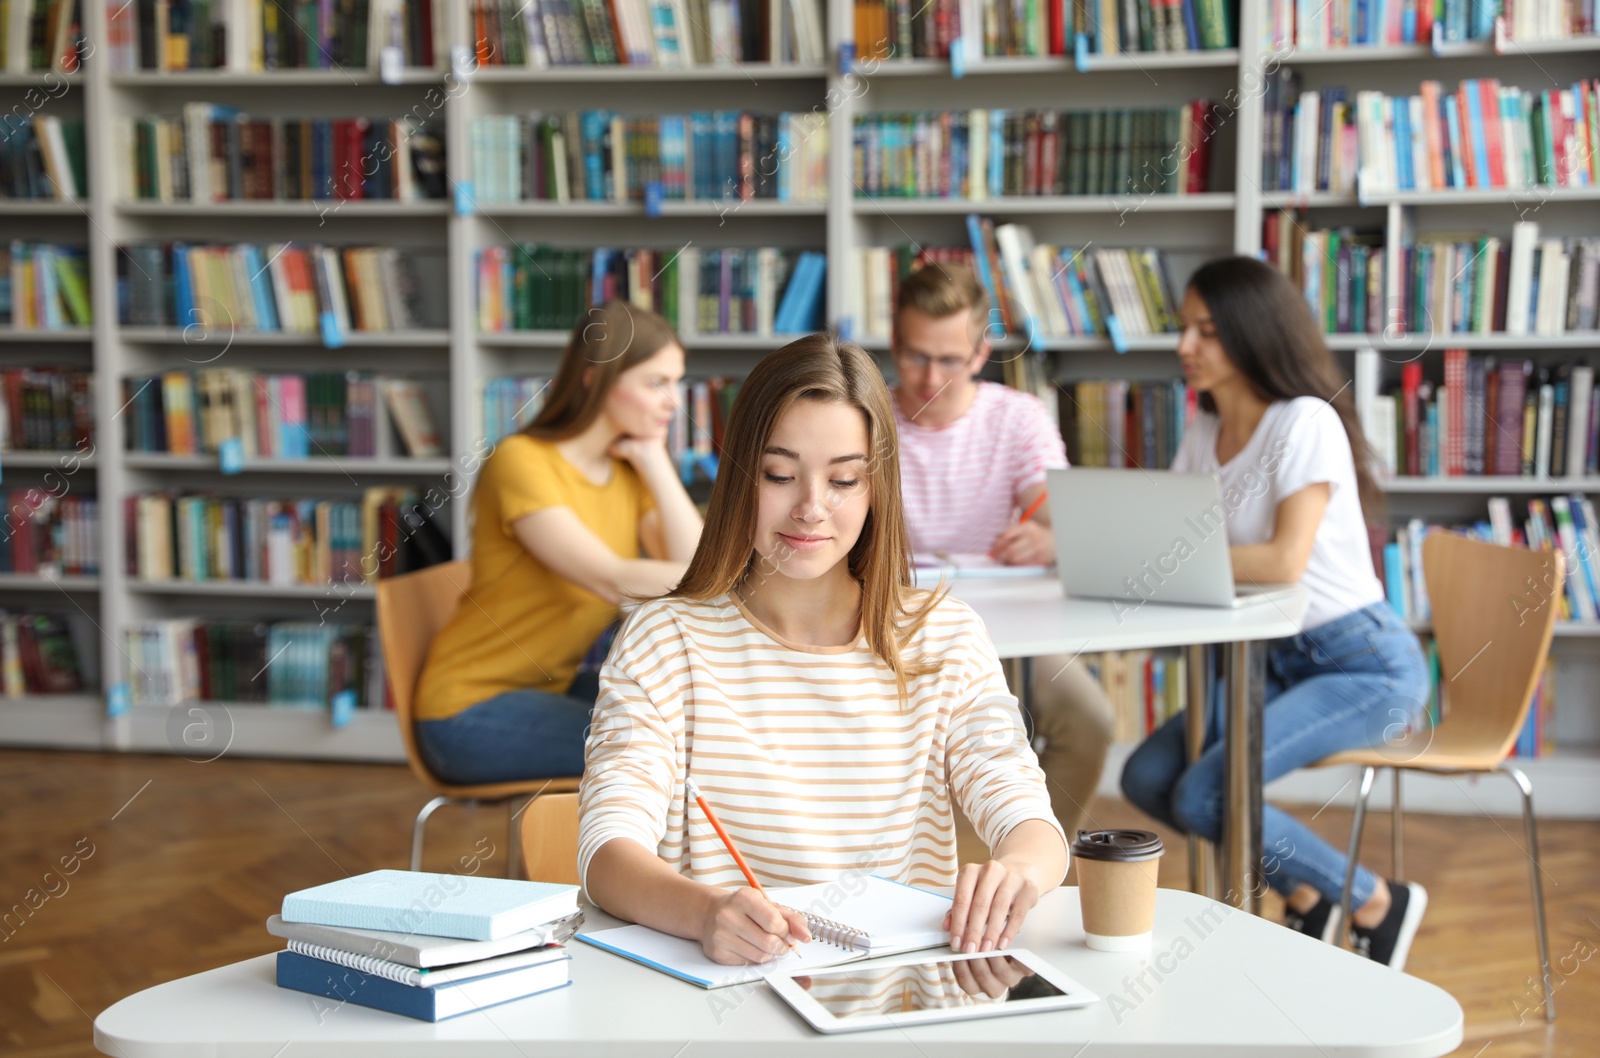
[[429, 946]]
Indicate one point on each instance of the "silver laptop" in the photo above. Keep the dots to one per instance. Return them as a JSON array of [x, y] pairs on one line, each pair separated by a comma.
[[1141, 536]]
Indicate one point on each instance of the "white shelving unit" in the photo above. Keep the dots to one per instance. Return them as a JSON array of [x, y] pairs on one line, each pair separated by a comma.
[[1189, 228]]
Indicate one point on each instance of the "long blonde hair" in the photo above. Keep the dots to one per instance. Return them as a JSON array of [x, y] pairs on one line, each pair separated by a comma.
[[818, 367]]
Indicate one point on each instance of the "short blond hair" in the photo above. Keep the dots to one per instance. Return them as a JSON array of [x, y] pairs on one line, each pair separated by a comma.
[[939, 290]]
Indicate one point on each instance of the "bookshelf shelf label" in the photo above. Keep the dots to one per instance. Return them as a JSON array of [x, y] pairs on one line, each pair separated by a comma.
[[230, 455], [117, 700], [847, 56], [653, 197], [392, 64], [1080, 52], [344, 708], [958, 59], [462, 62], [332, 336], [1119, 340], [466, 198]]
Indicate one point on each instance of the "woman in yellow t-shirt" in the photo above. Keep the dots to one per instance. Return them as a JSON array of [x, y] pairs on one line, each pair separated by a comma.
[[561, 513]]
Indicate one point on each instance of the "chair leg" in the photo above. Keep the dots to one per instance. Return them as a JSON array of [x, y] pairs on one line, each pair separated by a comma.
[[1367, 775], [1397, 839], [1516, 776], [420, 826]]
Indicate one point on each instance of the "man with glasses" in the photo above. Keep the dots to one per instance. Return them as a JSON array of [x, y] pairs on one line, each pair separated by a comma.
[[973, 456]]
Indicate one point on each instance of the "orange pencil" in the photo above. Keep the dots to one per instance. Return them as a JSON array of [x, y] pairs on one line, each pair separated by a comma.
[[1033, 508], [693, 790]]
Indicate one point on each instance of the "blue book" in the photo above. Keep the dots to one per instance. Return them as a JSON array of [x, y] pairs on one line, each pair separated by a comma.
[[1480, 145], [980, 261], [1191, 26], [344, 984], [997, 153], [1458, 168], [261, 289], [441, 905], [1393, 580], [1580, 524], [182, 287]]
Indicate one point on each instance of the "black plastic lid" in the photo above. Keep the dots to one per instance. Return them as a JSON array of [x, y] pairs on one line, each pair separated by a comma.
[[1121, 846]]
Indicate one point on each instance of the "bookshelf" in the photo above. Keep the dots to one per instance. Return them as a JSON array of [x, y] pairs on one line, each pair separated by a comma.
[[457, 359]]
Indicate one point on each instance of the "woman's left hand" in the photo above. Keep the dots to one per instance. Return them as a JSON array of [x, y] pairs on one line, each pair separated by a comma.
[[991, 901]]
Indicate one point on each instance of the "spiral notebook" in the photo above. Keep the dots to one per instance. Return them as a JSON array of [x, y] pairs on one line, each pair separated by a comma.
[[848, 921]]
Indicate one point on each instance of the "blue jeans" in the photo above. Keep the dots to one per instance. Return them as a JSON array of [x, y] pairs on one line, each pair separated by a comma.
[[1355, 682], [514, 735]]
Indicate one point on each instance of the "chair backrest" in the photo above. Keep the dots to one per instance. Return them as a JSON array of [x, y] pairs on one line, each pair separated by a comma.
[[411, 611], [550, 838], [1494, 611]]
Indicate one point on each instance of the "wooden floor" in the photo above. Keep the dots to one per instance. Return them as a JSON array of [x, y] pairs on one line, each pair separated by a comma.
[[178, 864]]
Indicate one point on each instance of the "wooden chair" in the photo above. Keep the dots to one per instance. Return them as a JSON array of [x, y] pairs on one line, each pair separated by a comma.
[[1494, 611], [411, 611], [550, 839]]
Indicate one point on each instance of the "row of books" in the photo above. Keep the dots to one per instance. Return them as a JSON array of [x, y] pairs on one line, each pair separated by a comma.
[[1451, 283], [1038, 290], [1507, 418], [37, 655], [41, 35], [46, 409], [42, 157], [1341, 273], [1484, 135], [254, 35], [42, 532], [496, 941], [1117, 423], [977, 154], [1363, 23], [172, 537], [902, 29], [669, 34], [278, 415], [711, 291], [216, 153], [1524, 285], [602, 156], [44, 286], [510, 403], [291, 663], [290, 287]]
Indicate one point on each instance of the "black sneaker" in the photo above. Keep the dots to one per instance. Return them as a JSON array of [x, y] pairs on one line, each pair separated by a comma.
[[1389, 942], [1317, 922]]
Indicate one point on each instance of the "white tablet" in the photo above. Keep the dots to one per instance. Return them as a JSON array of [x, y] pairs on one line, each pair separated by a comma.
[[925, 987]]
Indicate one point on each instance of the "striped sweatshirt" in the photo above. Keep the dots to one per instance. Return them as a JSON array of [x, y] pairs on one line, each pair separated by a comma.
[[805, 753]]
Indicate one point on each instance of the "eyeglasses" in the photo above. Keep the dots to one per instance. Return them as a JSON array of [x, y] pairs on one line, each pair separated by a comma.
[[947, 365]]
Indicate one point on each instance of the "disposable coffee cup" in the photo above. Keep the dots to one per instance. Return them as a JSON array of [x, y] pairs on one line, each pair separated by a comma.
[[1117, 887]]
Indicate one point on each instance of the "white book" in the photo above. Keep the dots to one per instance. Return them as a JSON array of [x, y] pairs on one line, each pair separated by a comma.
[[1582, 385], [421, 950], [1368, 367], [1524, 237], [1012, 239], [978, 149], [1383, 413], [1547, 405]]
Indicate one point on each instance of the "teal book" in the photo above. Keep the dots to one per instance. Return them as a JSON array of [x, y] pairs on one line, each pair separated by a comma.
[[438, 905]]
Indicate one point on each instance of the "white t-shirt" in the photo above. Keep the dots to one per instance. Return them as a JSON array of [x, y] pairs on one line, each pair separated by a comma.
[[1299, 442]]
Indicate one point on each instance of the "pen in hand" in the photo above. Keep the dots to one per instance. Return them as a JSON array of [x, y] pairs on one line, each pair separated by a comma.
[[693, 790]]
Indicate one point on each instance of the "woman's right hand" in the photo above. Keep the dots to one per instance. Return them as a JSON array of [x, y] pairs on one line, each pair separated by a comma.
[[639, 451], [744, 927]]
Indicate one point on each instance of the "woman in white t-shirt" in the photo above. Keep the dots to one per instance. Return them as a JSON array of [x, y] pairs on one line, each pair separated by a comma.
[[1277, 426]]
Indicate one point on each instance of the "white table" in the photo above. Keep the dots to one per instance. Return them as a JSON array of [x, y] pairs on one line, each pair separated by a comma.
[[1230, 984], [1031, 617]]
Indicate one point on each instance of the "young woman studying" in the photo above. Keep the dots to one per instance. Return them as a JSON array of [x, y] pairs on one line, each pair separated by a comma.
[[561, 514], [833, 715], [1277, 426]]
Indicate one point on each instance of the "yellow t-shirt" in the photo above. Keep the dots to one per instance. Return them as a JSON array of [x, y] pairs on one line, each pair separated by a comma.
[[520, 625]]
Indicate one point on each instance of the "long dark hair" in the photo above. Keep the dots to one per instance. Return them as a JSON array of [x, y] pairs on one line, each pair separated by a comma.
[[606, 341], [1265, 327]]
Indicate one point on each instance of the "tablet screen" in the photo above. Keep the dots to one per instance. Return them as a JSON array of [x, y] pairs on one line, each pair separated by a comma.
[[993, 981]]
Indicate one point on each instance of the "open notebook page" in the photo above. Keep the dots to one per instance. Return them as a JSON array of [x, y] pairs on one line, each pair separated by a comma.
[[684, 959], [893, 917]]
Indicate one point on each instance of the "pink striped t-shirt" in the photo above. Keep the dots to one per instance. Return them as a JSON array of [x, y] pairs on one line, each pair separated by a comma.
[[960, 483]]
